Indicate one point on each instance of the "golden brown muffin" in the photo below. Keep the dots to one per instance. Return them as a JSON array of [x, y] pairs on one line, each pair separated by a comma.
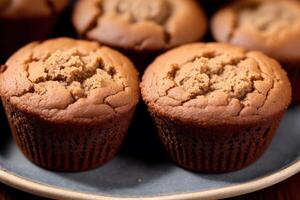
[[69, 102], [141, 25], [23, 21], [216, 106], [272, 27]]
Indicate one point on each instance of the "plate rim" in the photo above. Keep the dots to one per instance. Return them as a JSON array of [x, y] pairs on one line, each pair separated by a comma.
[[50, 191]]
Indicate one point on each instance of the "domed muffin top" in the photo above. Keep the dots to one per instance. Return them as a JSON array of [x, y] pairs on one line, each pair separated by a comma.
[[70, 79], [215, 83], [157, 11], [18, 9], [272, 26], [140, 24]]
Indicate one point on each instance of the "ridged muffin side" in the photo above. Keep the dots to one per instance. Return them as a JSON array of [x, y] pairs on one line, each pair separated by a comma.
[[69, 102], [216, 106]]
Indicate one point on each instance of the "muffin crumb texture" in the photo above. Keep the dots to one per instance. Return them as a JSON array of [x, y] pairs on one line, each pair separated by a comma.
[[227, 80], [204, 76], [73, 70], [218, 80]]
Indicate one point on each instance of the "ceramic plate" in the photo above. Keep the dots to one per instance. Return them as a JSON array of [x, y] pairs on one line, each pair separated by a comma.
[[129, 176]]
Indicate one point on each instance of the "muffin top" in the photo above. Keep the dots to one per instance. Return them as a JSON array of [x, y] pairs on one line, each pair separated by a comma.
[[271, 26], [70, 80], [215, 83], [146, 25], [18, 9]]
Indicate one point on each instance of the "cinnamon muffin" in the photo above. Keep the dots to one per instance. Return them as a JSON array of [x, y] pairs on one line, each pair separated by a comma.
[[69, 102], [23, 21], [216, 106], [272, 27], [142, 26]]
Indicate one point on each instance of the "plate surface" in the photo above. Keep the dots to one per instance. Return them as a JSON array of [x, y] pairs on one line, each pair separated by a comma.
[[129, 176]]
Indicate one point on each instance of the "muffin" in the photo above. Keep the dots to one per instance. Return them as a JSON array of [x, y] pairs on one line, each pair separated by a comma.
[[216, 106], [69, 102], [272, 27], [23, 21], [141, 27]]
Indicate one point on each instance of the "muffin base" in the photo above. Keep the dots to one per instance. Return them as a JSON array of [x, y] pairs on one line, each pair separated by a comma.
[[66, 146], [215, 149]]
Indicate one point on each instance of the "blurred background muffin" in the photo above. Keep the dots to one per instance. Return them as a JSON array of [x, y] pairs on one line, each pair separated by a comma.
[[23, 21], [216, 106], [141, 29], [271, 26], [69, 102], [140, 26]]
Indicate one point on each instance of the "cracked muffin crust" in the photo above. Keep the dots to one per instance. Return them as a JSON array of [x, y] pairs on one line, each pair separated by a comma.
[[65, 79], [272, 27], [216, 97], [140, 24], [73, 89], [215, 82]]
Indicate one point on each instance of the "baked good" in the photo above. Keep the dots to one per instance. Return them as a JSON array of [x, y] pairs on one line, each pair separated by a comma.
[[69, 102], [140, 24], [23, 21], [271, 26], [216, 106]]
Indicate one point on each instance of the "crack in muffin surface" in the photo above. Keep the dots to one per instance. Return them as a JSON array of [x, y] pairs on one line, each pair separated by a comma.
[[219, 75], [71, 78], [213, 78], [75, 70]]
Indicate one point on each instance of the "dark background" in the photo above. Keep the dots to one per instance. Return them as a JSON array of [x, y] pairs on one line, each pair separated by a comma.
[[287, 190]]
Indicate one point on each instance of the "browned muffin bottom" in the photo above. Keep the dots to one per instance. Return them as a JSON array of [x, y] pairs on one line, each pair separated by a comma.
[[269, 26], [142, 25], [69, 102], [216, 106], [23, 21]]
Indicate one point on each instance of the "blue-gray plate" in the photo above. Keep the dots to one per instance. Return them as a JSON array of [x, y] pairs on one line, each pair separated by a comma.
[[131, 177]]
